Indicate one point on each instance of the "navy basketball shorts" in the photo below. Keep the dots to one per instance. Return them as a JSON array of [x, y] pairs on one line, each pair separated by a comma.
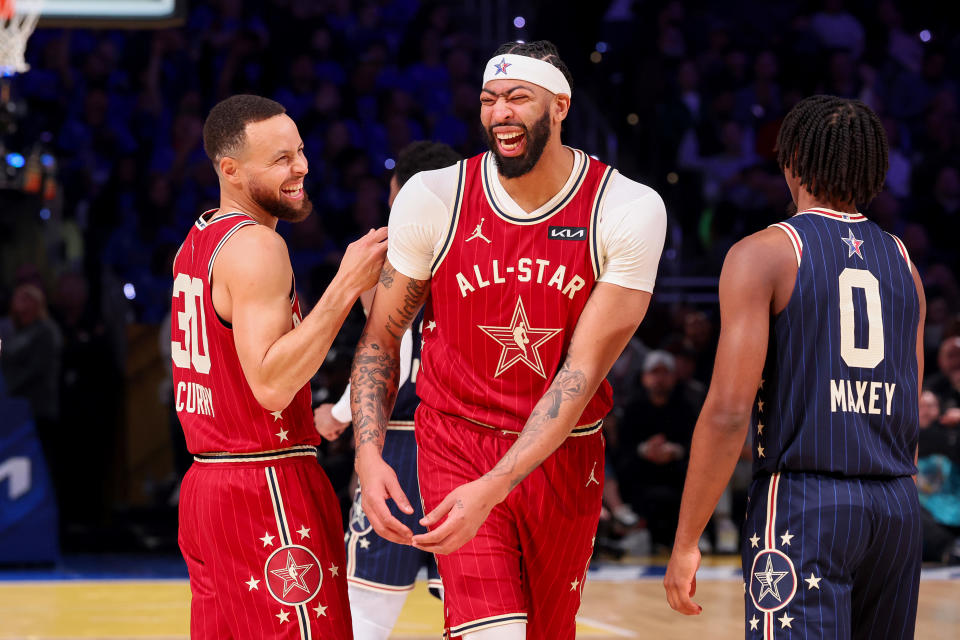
[[378, 564], [830, 557]]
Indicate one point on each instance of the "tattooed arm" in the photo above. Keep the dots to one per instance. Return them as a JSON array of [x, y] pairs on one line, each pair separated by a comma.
[[608, 321], [373, 390]]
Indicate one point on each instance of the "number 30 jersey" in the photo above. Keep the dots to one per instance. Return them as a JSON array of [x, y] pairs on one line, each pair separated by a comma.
[[839, 391], [216, 406]]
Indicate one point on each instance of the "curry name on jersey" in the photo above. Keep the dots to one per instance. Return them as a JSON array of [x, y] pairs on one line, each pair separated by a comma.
[[213, 400]]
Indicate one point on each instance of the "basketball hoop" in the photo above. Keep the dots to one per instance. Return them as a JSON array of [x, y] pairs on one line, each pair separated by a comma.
[[17, 22]]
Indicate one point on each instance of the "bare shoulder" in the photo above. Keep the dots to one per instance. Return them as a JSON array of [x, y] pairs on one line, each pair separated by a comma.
[[255, 254], [762, 259]]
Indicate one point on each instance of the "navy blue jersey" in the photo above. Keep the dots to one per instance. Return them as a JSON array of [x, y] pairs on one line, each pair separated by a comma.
[[407, 399], [839, 389]]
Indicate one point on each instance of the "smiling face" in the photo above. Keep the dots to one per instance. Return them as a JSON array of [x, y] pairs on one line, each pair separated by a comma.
[[518, 122], [270, 168]]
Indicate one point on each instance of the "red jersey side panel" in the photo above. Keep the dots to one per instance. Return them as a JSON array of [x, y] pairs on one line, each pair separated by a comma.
[[214, 402], [506, 295]]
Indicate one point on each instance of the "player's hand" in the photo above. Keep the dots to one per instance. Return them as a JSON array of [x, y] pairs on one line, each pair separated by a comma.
[[681, 580], [326, 425], [465, 509], [378, 483], [362, 261], [950, 417]]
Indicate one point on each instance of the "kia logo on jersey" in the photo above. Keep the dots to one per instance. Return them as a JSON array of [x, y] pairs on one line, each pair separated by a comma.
[[567, 233]]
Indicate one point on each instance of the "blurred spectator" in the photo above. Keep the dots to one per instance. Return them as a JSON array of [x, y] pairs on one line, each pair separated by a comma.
[[938, 482], [30, 349], [946, 382], [654, 446]]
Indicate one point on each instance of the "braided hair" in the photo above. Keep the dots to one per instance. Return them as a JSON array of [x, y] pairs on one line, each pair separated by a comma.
[[837, 147], [539, 49]]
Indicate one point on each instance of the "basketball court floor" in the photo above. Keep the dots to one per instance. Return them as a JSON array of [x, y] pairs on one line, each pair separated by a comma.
[[131, 597]]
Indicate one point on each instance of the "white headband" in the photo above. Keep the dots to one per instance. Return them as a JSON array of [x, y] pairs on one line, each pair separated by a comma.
[[539, 72]]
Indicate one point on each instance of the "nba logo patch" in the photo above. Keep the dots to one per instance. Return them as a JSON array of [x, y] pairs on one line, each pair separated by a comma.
[[293, 575], [773, 580]]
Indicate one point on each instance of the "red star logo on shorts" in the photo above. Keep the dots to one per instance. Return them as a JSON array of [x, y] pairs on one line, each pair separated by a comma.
[[292, 574]]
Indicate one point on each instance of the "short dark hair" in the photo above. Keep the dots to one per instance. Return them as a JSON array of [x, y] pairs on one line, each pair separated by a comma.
[[423, 155], [224, 132], [539, 49], [836, 146]]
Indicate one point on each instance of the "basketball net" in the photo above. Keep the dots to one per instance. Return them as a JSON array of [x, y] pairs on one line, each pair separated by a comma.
[[16, 25]]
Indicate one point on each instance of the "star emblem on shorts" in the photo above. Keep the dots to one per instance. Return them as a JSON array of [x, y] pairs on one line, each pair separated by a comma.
[[785, 621], [320, 610], [769, 579], [501, 66], [852, 244], [760, 453], [364, 543], [786, 538], [267, 539], [760, 426], [754, 621], [760, 405], [284, 617], [252, 584], [754, 541], [292, 575], [812, 582], [519, 341]]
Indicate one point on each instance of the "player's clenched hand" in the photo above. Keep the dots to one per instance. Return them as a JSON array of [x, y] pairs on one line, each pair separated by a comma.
[[326, 425], [378, 483], [363, 260], [681, 581], [465, 508]]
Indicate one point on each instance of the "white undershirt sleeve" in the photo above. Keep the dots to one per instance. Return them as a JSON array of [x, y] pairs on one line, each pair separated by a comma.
[[631, 233], [341, 410], [419, 221]]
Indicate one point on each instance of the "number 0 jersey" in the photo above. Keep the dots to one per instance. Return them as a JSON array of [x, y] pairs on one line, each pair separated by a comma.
[[216, 406], [839, 392], [505, 297]]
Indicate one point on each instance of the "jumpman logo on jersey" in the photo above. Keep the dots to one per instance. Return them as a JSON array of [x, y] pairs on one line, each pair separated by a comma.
[[768, 579], [593, 477], [519, 341], [478, 233], [853, 244]]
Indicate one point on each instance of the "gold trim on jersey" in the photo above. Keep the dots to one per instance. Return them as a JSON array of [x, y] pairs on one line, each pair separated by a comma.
[[577, 432], [598, 201], [485, 179], [454, 219], [257, 456]]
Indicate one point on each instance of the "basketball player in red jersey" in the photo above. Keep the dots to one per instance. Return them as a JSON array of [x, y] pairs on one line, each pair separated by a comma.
[[539, 263], [259, 522]]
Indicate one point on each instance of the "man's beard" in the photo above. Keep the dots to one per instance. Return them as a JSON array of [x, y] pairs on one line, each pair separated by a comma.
[[536, 140], [278, 206]]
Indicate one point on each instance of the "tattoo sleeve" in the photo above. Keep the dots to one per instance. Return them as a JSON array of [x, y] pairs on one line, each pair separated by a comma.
[[376, 364], [569, 385]]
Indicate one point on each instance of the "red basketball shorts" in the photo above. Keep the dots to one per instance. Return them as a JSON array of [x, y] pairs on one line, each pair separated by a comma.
[[529, 559], [263, 542]]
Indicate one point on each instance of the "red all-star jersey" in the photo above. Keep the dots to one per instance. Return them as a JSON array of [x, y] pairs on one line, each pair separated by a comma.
[[213, 400], [505, 297]]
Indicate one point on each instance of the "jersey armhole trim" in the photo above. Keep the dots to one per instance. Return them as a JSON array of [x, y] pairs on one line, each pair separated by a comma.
[[598, 201], [213, 256], [795, 240], [901, 248], [454, 218]]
